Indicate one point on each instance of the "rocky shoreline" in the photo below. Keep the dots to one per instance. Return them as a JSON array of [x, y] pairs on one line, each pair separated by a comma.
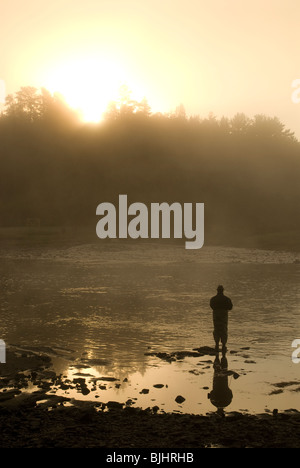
[[28, 425], [38, 419]]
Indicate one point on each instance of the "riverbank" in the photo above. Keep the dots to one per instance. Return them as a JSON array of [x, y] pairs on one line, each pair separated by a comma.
[[82, 426], [36, 418]]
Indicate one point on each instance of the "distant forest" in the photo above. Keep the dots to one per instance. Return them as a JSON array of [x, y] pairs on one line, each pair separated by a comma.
[[57, 169]]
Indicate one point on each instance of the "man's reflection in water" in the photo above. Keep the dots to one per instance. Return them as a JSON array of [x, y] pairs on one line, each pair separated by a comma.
[[221, 395]]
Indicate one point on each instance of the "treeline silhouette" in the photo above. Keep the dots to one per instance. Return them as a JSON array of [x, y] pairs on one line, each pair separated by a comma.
[[57, 169]]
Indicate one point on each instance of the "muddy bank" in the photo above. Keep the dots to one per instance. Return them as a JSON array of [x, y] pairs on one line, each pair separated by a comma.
[[86, 425]]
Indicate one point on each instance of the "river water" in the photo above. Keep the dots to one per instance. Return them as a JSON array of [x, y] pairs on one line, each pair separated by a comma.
[[110, 308]]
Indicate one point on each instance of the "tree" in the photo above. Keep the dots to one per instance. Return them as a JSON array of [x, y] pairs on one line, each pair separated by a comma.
[[144, 108], [25, 105], [125, 106], [270, 127], [224, 125], [180, 112], [240, 123], [32, 105]]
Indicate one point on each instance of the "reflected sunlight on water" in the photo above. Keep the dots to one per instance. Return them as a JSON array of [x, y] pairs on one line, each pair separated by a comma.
[[115, 305]]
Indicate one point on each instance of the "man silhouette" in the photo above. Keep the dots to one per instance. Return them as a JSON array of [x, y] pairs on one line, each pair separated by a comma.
[[220, 305]]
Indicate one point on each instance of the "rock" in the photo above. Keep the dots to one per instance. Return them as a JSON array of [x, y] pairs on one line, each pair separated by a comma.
[[145, 390], [206, 350], [79, 381], [83, 374], [9, 394], [179, 399], [276, 392], [179, 355], [106, 379], [47, 385], [183, 354], [158, 385], [65, 386], [165, 356], [114, 405], [81, 386]]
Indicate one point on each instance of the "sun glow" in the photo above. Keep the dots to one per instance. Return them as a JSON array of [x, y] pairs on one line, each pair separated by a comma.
[[88, 85]]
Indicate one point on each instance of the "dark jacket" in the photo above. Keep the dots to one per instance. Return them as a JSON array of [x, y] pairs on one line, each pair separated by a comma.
[[220, 302]]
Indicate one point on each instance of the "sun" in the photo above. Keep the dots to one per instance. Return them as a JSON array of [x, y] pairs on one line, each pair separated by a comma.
[[88, 84]]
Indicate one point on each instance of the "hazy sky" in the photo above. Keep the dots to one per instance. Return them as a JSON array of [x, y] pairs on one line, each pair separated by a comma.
[[220, 56]]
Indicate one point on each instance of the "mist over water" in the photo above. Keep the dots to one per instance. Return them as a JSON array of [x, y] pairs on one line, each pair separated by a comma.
[[124, 299], [117, 304]]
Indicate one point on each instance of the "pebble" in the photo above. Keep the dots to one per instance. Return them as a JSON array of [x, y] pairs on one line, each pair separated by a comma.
[[179, 399]]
